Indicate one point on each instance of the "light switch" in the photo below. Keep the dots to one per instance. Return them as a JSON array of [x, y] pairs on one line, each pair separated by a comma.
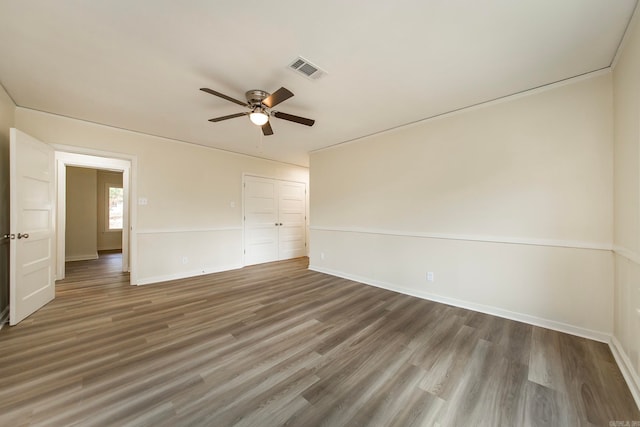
[[142, 201], [232, 204]]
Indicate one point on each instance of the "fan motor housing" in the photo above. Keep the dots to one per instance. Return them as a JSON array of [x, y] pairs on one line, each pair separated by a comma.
[[256, 96]]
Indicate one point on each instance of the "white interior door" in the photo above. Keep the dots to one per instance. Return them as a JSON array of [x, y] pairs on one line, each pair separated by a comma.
[[260, 220], [291, 220], [31, 277]]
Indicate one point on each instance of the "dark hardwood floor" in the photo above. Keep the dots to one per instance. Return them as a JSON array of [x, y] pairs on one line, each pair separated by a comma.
[[277, 344]]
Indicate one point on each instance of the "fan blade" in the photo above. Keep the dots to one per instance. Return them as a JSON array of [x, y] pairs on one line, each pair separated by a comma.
[[266, 129], [223, 96], [230, 116], [292, 118], [277, 97]]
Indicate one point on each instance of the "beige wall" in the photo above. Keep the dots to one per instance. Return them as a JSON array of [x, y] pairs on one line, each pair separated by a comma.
[[81, 211], [7, 115], [107, 240], [626, 87], [189, 189], [509, 204]]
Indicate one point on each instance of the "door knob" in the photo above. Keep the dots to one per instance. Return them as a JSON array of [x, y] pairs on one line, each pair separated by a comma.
[[10, 236], [23, 236]]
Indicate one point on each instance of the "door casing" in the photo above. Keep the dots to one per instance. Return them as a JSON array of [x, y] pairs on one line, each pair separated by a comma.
[[105, 161]]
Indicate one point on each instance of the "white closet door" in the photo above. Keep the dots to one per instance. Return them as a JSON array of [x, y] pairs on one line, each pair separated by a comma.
[[260, 220], [274, 220], [291, 220]]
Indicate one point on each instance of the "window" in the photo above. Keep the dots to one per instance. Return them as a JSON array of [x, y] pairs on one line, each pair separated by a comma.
[[115, 207]]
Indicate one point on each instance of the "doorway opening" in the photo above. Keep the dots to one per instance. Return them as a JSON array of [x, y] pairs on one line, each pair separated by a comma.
[[106, 213], [94, 216]]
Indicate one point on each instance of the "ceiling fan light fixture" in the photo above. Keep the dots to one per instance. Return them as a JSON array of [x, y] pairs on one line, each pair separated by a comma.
[[260, 104], [258, 117]]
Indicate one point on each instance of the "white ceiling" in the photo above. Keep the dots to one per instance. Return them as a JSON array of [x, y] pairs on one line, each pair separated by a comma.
[[139, 64]]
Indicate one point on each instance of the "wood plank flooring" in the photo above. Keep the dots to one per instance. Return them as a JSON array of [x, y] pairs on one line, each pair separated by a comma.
[[277, 344]]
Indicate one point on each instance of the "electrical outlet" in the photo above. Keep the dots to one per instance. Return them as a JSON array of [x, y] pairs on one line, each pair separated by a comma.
[[321, 255], [185, 260], [430, 276]]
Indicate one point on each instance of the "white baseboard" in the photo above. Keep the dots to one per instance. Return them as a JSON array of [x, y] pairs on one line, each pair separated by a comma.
[[4, 317], [85, 257], [109, 248], [626, 367], [495, 311], [186, 274]]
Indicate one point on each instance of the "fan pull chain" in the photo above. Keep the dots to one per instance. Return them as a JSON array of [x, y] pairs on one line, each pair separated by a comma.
[[260, 141]]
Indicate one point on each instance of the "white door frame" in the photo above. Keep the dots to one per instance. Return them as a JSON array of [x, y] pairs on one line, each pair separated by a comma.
[[76, 156]]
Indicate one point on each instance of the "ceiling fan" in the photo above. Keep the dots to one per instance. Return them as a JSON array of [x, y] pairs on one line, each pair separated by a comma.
[[260, 104]]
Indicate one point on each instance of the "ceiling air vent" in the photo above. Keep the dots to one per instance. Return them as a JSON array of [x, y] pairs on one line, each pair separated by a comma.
[[306, 68]]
